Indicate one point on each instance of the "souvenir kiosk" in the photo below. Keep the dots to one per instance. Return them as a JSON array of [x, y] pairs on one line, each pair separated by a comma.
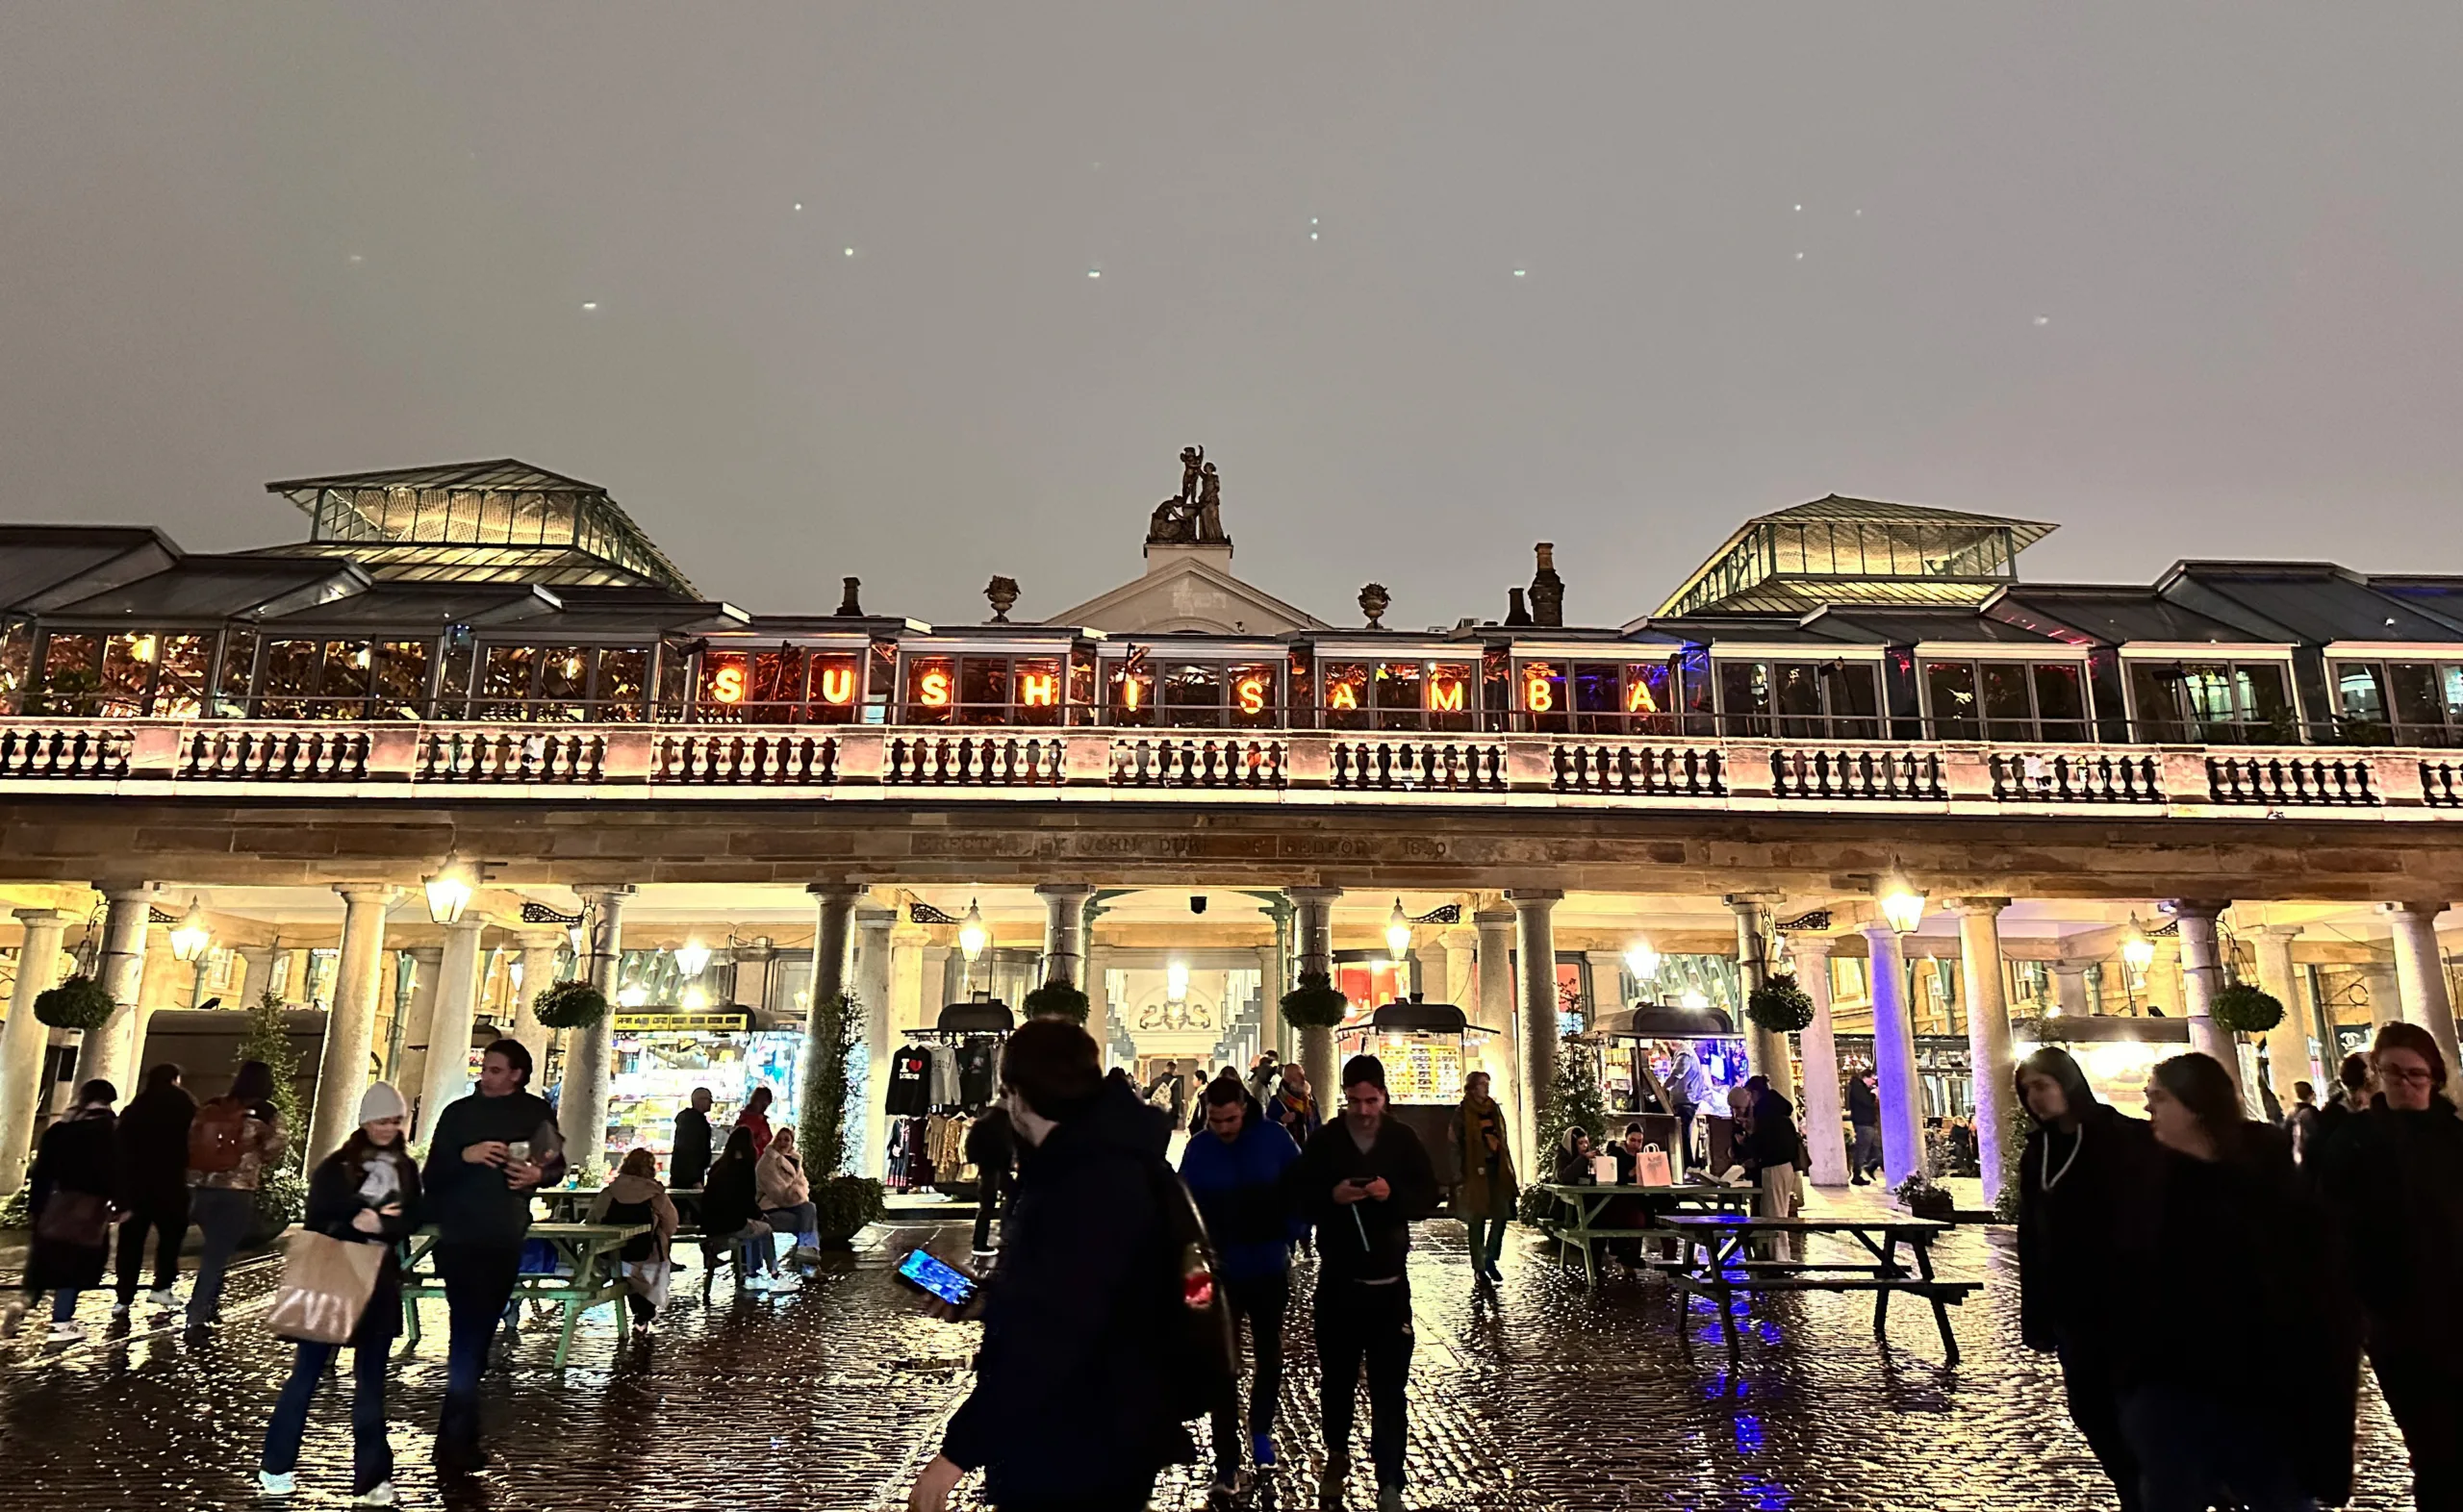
[[1636, 1054], [661, 1055], [940, 1081], [1428, 1048]]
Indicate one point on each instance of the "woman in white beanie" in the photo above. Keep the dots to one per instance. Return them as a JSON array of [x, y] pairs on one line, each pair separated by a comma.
[[367, 1192]]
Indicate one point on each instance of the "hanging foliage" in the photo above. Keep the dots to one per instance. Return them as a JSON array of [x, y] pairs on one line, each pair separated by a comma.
[[77, 1003], [2244, 1009], [571, 1005], [821, 1124], [1779, 1005], [1057, 999], [1316, 1003]]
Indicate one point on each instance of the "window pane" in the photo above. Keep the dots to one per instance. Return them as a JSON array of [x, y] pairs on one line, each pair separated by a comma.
[[16, 653], [1950, 688], [239, 665], [2154, 693], [128, 665], [504, 682], [1399, 689], [2207, 694], [1854, 705], [931, 688], [726, 682], [1133, 696], [1451, 696], [1251, 695], [1543, 692], [984, 689], [2453, 680], [1599, 699], [1192, 695], [2417, 709], [1037, 681], [1799, 700], [1744, 696], [623, 683], [1347, 695], [291, 676], [2061, 701], [2008, 713], [2266, 702], [401, 679], [1650, 698]]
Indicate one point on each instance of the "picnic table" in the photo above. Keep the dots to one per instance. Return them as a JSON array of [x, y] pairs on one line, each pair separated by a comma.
[[572, 1204], [1585, 1205], [1718, 1263], [585, 1276]]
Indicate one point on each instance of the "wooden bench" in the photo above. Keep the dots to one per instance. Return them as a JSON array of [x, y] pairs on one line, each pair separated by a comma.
[[587, 1275], [1717, 1265], [1584, 1206]]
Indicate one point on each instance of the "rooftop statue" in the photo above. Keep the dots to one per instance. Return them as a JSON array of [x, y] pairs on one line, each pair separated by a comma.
[[1193, 517]]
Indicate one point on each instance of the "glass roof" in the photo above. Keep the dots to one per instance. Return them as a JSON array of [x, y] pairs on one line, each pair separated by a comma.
[[2322, 606], [2114, 615]]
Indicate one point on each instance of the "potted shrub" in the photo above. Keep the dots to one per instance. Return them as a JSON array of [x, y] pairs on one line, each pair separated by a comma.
[[571, 1005], [2244, 1009], [1057, 999], [77, 1003], [1779, 1006]]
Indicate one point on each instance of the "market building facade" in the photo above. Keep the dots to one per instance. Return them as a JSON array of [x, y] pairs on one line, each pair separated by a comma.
[[1965, 809]]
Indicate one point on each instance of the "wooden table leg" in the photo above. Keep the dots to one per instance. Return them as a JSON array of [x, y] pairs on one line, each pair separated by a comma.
[[1923, 1245], [1726, 1298], [1881, 1297]]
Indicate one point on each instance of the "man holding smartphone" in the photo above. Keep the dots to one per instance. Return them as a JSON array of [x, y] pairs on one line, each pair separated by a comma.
[[1362, 1179], [489, 1152]]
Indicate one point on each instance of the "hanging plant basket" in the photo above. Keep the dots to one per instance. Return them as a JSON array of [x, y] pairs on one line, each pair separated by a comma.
[[571, 1005], [2244, 1009], [1316, 1003], [1779, 1006], [77, 1003], [1057, 1000]]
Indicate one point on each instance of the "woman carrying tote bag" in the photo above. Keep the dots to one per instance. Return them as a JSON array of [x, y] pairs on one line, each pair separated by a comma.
[[75, 1172], [365, 1194]]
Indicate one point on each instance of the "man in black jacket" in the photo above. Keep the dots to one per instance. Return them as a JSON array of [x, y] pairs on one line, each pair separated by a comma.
[[1070, 1400], [1361, 1181], [488, 1153], [154, 1183], [690, 1161]]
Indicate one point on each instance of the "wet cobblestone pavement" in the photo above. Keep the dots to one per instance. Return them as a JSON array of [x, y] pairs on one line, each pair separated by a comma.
[[1555, 1396]]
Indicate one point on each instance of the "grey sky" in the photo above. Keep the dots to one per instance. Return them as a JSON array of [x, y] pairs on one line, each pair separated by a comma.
[[2184, 280]]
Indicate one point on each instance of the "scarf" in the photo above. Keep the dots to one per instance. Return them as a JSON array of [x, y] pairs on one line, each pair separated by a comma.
[[1481, 1129]]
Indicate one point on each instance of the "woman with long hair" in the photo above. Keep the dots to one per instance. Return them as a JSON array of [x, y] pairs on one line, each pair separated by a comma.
[[2083, 1165], [365, 1193], [234, 1141], [637, 1197], [69, 1189], [731, 1212], [755, 1116], [1487, 1197], [2225, 1391]]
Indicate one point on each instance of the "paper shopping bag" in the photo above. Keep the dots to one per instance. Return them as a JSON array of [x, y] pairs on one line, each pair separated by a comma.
[[325, 1286], [1651, 1167]]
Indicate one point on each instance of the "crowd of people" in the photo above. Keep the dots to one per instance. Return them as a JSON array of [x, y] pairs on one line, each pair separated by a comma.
[[2210, 1296]]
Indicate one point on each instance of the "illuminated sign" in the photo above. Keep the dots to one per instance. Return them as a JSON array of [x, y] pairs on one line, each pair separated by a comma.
[[1341, 696], [1445, 696], [838, 684], [1639, 700], [1039, 690], [1128, 693], [1251, 692], [728, 687], [932, 690], [723, 1022], [1536, 695]]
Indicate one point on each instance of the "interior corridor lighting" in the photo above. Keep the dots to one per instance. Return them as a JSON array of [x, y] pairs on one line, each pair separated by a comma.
[[1175, 981], [1901, 904], [1641, 960], [193, 937], [2137, 951], [1398, 933], [695, 999], [973, 937], [449, 890], [692, 958], [632, 996]]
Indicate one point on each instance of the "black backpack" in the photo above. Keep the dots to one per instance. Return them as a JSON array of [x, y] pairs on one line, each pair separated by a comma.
[[1199, 1359]]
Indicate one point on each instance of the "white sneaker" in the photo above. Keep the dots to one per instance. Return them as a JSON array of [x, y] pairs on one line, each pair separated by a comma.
[[380, 1495], [782, 1283], [119, 1309], [11, 1318], [66, 1334], [161, 1297], [756, 1281], [270, 1484]]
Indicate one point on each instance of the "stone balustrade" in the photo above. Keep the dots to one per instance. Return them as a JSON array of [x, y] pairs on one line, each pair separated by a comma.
[[841, 763]]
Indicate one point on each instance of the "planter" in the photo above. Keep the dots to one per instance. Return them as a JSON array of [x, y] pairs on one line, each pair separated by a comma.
[[843, 1206]]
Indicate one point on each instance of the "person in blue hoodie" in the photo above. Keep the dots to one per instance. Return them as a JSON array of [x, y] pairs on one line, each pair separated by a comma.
[[1235, 1170]]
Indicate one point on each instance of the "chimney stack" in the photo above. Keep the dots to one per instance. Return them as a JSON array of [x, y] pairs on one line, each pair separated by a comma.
[[1515, 613], [1547, 589], [847, 607]]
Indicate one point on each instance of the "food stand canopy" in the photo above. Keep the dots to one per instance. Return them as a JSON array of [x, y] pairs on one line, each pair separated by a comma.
[[1660, 1022], [986, 1015], [1419, 1018]]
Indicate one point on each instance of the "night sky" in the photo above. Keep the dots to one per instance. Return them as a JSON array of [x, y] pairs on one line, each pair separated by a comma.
[[929, 293]]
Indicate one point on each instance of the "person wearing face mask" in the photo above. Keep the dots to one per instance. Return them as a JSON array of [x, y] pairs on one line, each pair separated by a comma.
[[2083, 1164], [2393, 1176], [2237, 1374], [367, 1192]]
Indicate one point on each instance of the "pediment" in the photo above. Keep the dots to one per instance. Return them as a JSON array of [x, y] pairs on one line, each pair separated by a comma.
[[1188, 593]]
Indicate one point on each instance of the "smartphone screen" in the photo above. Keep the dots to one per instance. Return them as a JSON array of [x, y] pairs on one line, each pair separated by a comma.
[[926, 1271]]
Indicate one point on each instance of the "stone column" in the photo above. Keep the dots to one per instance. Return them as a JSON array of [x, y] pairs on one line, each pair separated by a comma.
[[1429, 968], [2385, 998], [590, 1055], [1765, 1052], [1504, 1049], [834, 908], [1459, 984], [2421, 974], [1314, 924], [2201, 978], [753, 965], [1064, 931], [1099, 998], [445, 1056], [256, 974], [2070, 989], [413, 1020], [341, 1072], [1901, 1091], [110, 1052], [2288, 1055], [872, 922], [23, 1040], [1999, 1134], [540, 948], [1536, 944], [1823, 1121]]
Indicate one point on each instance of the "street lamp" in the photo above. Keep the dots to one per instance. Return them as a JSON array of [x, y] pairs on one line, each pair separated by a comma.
[[2136, 954], [1398, 933], [449, 890], [1176, 982], [1641, 961], [973, 937], [192, 938], [1901, 904], [692, 958]]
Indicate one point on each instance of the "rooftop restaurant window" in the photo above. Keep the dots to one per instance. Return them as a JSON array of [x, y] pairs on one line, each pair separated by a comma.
[[1439, 696], [1587, 697], [1833, 700], [788, 685], [542, 683], [1990, 700], [1230, 695], [2211, 703], [986, 689], [16, 664], [2399, 703], [133, 674]]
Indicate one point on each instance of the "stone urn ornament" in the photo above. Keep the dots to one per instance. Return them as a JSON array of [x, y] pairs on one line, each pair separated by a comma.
[[1002, 592], [1373, 600]]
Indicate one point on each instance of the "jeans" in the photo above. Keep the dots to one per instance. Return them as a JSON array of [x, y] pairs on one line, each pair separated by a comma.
[[478, 1283], [372, 1452], [1865, 1158], [1359, 1325], [2088, 1376], [2425, 1395], [987, 1208], [1262, 1299], [1488, 1242], [2196, 1450], [165, 1219], [64, 1304], [1685, 1112], [223, 1215], [754, 1253], [803, 1221]]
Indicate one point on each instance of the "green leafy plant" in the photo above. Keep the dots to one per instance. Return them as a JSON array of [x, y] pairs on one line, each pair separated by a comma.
[[844, 1205], [77, 1003], [1574, 1102], [1057, 999], [266, 1038], [821, 1119], [1922, 1198], [1316, 1003], [571, 1005], [1779, 1005], [17, 1210], [282, 1199], [2244, 1009]]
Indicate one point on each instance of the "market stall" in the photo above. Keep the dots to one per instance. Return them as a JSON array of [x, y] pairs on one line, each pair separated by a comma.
[[662, 1056], [1637, 1052], [1428, 1048], [940, 1080]]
